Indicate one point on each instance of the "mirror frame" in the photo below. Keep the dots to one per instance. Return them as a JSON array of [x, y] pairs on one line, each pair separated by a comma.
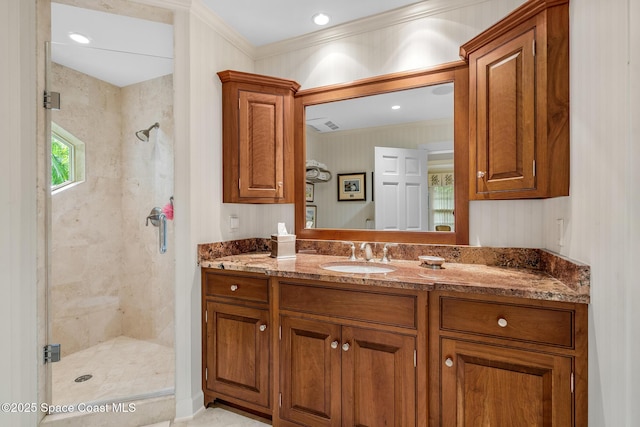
[[456, 72]]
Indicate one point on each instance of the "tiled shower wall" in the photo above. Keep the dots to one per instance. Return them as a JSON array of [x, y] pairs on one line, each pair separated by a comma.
[[146, 292], [105, 265]]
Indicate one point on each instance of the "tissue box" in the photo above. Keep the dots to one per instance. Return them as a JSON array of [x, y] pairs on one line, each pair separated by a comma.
[[283, 246]]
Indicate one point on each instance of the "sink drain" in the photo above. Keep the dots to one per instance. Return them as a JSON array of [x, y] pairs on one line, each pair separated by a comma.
[[83, 378]]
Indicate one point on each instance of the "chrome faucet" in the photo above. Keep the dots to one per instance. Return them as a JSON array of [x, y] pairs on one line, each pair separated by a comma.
[[353, 251], [368, 253], [385, 251]]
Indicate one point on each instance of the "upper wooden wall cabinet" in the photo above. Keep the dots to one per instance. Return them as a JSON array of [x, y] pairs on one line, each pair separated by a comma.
[[257, 138], [519, 104]]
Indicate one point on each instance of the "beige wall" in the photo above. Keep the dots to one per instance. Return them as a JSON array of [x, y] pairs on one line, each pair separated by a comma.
[[107, 277]]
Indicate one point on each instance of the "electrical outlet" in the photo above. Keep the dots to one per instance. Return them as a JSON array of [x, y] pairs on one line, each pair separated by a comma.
[[560, 231], [234, 222]]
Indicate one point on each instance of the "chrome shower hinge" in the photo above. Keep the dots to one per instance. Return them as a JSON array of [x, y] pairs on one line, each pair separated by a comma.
[[51, 100], [51, 353]]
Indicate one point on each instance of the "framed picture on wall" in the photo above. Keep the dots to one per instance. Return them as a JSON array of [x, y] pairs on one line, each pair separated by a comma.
[[308, 192], [352, 187], [310, 218]]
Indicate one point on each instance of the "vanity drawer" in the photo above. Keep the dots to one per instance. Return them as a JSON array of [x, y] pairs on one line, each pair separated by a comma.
[[236, 286], [387, 309], [519, 322]]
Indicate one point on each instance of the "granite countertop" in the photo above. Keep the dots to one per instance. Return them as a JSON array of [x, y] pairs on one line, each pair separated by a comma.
[[459, 277]]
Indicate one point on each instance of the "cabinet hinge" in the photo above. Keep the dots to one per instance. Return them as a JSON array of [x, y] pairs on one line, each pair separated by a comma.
[[573, 383], [206, 374], [534, 167], [206, 316], [533, 47], [280, 333], [415, 359], [280, 400], [239, 186], [238, 103]]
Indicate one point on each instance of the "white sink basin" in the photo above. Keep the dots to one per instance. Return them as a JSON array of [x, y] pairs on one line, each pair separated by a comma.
[[357, 267]]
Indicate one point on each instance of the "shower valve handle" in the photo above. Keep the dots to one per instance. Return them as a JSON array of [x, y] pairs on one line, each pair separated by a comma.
[[159, 219]]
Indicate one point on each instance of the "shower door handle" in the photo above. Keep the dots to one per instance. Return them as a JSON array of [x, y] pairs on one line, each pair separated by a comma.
[[159, 219], [162, 234]]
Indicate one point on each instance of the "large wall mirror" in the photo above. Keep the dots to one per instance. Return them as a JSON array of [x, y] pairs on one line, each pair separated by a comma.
[[385, 159]]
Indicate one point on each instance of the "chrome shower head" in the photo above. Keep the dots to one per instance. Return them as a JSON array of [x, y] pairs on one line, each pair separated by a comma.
[[143, 135]]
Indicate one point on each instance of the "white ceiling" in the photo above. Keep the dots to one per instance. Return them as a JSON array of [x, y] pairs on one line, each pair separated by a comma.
[[416, 105], [262, 22], [123, 50], [126, 50]]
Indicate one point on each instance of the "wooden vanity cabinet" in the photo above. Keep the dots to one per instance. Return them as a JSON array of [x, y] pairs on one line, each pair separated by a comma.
[[257, 138], [347, 357], [507, 362], [236, 336], [519, 104]]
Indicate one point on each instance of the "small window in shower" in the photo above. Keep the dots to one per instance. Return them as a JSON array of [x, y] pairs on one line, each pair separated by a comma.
[[67, 158]]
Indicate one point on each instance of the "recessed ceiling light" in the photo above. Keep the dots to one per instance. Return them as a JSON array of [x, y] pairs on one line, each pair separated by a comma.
[[79, 38], [320, 18], [395, 107]]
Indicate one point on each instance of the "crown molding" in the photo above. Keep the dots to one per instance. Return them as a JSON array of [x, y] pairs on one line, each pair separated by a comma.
[[387, 19], [199, 9]]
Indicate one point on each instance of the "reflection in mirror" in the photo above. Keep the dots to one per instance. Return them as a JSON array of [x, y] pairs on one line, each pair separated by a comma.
[[349, 150], [403, 142]]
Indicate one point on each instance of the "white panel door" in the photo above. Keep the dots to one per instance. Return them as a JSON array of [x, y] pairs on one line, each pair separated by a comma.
[[401, 189]]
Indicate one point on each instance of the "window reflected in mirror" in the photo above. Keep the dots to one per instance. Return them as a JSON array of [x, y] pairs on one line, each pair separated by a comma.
[[403, 141]]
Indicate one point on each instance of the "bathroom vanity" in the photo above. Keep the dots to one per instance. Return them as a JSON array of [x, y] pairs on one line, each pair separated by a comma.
[[469, 344], [498, 337]]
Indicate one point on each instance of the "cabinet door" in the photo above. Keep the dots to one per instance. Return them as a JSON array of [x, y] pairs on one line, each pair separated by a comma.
[[485, 385], [505, 128], [238, 352], [261, 145], [310, 372], [378, 378]]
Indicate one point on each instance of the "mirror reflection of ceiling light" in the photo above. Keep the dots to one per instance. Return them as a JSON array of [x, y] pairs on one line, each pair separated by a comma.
[[395, 107], [321, 18], [79, 38]]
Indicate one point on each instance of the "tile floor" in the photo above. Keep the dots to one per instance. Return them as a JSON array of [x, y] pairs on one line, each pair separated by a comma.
[[126, 367], [223, 416], [121, 367]]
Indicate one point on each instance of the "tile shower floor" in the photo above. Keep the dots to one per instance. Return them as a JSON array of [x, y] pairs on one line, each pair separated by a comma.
[[121, 368]]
